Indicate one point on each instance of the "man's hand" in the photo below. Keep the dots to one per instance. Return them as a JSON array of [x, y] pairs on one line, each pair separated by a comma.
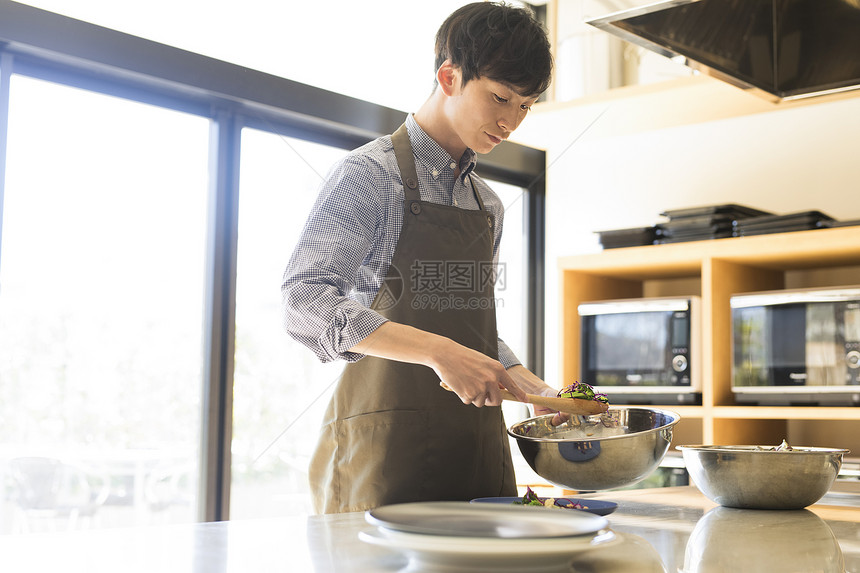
[[534, 385], [559, 418], [473, 376]]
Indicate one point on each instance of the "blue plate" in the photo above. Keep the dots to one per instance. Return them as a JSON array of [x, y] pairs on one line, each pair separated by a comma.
[[595, 506]]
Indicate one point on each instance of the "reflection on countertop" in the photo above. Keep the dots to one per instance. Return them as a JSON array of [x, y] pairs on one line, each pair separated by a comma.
[[693, 534], [728, 539]]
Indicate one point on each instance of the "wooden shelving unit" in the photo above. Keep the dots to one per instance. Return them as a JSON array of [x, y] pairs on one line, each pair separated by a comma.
[[715, 270]]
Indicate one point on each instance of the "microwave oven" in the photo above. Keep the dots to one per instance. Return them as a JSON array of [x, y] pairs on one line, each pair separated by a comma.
[[797, 347], [642, 351]]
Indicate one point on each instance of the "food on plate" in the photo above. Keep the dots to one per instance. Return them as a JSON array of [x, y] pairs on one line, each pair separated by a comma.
[[531, 498], [582, 391]]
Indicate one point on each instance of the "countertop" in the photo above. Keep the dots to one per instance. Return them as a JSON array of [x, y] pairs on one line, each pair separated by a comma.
[[662, 530]]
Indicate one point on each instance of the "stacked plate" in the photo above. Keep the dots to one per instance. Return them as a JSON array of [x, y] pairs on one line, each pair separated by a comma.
[[461, 536]]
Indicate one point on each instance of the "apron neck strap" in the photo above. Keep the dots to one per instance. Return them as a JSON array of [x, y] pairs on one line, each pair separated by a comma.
[[406, 164], [477, 195]]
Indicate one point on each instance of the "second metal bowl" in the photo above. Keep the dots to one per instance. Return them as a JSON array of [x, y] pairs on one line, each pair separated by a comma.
[[759, 477]]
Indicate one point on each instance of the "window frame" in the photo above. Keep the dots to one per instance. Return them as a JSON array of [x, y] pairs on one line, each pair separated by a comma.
[[56, 48]]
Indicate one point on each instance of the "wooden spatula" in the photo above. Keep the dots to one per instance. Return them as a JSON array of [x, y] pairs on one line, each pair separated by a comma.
[[575, 406]]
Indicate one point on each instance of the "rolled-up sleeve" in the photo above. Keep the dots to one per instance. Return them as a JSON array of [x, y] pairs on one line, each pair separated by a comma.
[[320, 307], [507, 356]]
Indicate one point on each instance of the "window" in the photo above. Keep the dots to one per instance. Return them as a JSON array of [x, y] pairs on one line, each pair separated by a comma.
[[113, 383], [100, 309]]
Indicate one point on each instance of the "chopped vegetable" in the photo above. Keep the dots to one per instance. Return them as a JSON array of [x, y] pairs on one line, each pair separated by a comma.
[[582, 391], [783, 447], [531, 498]]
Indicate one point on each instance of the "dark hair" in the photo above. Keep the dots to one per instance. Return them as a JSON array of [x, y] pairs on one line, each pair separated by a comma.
[[498, 41]]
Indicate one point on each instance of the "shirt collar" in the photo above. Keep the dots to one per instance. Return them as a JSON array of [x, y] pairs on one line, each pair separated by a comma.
[[430, 152]]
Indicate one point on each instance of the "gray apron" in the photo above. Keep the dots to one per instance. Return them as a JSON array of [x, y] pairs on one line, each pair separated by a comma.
[[391, 433]]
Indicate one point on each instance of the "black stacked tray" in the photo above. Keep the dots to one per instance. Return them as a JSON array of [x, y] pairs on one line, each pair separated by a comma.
[[697, 228], [707, 222], [633, 237], [802, 221], [716, 222], [841, 223]]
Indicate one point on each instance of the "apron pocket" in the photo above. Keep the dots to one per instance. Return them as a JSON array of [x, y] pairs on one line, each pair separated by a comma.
[[381, 459]]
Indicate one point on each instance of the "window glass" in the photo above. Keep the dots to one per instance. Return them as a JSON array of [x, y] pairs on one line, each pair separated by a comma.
[[511, 306], [280, 388], [101, 310], [511, 282]]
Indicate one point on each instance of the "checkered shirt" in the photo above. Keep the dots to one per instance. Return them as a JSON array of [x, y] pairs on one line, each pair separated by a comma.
[[348, 240]]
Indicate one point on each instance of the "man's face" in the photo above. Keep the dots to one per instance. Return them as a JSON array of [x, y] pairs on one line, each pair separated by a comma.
[[486, 112]]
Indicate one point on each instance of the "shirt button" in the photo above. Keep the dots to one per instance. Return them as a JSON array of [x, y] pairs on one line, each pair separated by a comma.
[[434, 173], [453, 165]]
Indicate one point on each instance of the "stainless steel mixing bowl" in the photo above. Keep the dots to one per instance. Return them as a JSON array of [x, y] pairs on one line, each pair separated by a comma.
[[605, 451], [758, 477]]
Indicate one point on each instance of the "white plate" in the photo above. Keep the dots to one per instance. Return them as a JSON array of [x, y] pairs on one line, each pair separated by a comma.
[[447, 553], [458, 518]]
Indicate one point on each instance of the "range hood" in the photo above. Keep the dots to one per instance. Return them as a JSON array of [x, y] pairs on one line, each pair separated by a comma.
[[778, 49]]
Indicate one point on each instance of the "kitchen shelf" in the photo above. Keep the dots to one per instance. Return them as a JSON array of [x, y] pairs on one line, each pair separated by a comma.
[[715, 270], [684, 411], [787, 412]]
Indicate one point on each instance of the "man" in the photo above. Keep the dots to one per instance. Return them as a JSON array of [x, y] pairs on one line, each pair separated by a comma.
[[393, 274]]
